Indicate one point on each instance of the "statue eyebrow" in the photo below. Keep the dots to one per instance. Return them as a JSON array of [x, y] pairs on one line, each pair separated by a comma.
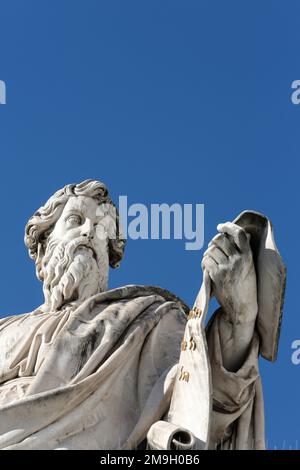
[[73, 212]]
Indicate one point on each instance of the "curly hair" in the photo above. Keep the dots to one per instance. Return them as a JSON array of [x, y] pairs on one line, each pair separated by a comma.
[[40, 225]]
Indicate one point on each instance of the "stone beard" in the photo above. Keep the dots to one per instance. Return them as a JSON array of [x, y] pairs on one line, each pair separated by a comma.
[[71, 272]]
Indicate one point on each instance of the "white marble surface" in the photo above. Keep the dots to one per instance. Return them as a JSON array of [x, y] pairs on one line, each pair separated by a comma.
[[94, 368]]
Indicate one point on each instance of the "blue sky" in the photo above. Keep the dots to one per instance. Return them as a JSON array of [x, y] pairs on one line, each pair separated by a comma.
[[164, 101]]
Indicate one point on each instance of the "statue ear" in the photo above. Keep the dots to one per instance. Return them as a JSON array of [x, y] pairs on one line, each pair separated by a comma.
[[38, 261], [271, 278]]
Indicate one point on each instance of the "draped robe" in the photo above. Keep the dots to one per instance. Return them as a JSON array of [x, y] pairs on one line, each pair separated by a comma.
[[100, 375]]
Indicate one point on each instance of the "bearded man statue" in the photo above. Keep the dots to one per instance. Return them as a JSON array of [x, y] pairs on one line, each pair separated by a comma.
[[132, 367]]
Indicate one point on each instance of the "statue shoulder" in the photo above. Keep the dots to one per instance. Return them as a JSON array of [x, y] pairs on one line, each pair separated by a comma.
[[131, 291], [19, 317]]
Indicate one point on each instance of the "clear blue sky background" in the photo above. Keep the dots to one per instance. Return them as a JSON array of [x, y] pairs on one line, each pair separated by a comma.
[[165, 101]]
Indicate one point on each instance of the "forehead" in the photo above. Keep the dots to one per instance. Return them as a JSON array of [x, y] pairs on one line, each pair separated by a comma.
[[84, 204]]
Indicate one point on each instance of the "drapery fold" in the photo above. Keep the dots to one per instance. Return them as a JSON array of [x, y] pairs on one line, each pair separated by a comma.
[[99, 376]]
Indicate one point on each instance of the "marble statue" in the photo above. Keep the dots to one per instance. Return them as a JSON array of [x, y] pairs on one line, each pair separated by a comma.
[[134, 367]]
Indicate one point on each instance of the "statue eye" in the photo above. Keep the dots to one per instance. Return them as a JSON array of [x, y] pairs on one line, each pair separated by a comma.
[[74, 220]]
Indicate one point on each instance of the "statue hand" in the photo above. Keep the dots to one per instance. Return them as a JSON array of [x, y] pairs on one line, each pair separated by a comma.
[[229, 263]]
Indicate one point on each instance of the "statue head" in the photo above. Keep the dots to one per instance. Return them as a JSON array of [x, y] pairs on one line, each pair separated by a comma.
[[74, 238]]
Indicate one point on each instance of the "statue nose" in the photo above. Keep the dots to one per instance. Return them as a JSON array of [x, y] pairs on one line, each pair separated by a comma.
[[88, 230], [88, 236]]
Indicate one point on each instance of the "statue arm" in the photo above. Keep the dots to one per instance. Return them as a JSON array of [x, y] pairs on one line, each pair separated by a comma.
[[237, 416], [235, 340], [229, 262]]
